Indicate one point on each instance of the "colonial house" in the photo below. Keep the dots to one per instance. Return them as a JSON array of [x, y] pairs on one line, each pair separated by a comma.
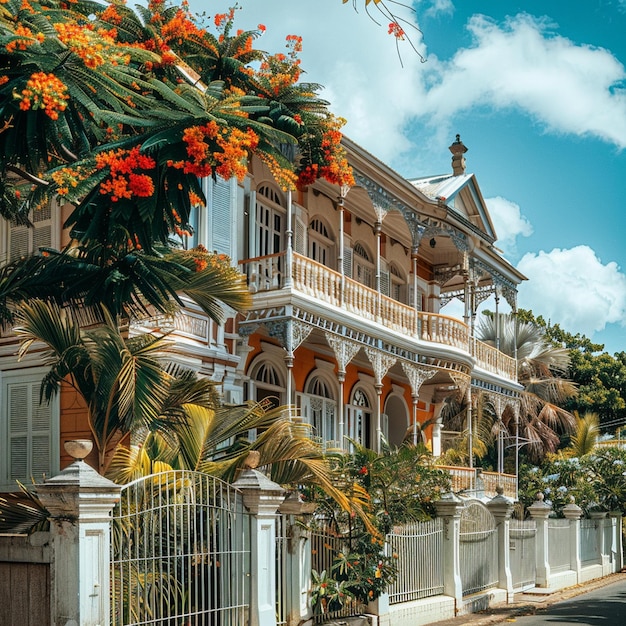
[[346, 325]]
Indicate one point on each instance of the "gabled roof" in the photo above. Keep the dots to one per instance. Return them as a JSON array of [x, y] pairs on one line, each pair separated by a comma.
[[462, 195]]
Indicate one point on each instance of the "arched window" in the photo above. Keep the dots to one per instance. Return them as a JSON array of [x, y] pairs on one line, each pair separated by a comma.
[[396, 419], [364, 270], [359, 418], [270, 221], [267, 382], [321, 244], [319, 408]]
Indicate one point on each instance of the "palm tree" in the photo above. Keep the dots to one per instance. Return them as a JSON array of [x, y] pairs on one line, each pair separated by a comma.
[[123, 380], [541, 367], [217, 440], [585, 436]]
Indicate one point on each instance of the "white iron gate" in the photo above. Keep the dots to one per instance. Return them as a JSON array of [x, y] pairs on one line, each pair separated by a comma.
[[180, 552], [478, 549]]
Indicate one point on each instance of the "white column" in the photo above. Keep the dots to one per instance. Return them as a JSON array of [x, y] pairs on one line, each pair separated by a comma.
[[501, 509], [540, 511], [262, 497], [449, 508], [299, 558], [289, 253], [617, 542], [80, 502], [573, 513]]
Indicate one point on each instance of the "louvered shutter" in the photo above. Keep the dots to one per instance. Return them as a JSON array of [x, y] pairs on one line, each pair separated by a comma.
[[347, 262], [221, 217], [24, 240], [299, 240], [30, 432], [385, 278], [17, 409]]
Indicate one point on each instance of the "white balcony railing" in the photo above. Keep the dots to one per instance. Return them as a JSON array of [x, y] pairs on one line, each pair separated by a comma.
[[318, 281]]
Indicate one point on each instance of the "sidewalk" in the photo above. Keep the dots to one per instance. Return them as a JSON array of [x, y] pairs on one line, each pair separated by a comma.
[[529, 603]]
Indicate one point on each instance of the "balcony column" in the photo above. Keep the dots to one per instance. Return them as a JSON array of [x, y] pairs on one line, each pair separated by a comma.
[[289, 253], [344, 350], [378, 230], [414, 258], [340, 208], [466, 294], [381, 363], [416, 375]]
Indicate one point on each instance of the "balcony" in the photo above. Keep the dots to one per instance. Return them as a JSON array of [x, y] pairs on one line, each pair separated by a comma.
[[474, 482], [269, 273]]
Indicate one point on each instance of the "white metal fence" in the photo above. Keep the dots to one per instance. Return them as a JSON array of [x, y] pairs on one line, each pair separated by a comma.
[[418, 548], [522, 537], [180, 552], [558, 545], [478, 549], [325, 546]]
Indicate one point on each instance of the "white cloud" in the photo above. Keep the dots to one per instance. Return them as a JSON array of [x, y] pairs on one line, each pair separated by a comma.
[[509, 223], [573, 288], [569, 88], [440, 7]]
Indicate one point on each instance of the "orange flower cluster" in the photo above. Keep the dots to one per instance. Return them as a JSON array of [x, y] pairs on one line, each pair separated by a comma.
[[396, 30], [283, 70], [111, 15], [95, 48], [68, 178], [26, 39], [45, 91], [180, 27], [336, 169], [285, 178], [223, 19], [124, 181], [224, 149], [236, 146]]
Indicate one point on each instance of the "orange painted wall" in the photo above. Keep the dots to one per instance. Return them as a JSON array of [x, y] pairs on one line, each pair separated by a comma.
[[304, 365], [74, 424]]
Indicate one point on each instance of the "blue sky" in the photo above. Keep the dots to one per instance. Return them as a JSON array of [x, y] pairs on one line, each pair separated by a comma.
[[537, 91]]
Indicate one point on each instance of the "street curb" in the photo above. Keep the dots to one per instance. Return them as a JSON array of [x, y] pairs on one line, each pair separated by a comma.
[[522, 606]]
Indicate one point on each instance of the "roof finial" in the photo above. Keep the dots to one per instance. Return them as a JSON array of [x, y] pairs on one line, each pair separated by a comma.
[[458, 149]]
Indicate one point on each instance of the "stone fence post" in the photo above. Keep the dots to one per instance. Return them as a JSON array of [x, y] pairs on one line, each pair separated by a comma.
[[540, 512], [261, 497], [501, 508], [573, 513], [449, 508], [618, 547], [298, 564], [80, 502]]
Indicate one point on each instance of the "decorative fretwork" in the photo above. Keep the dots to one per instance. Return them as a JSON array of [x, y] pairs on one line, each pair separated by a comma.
[[291, 333], [419, 225], [381, 363], [506, 287], [344, 349], [462, 381], [417, 375]]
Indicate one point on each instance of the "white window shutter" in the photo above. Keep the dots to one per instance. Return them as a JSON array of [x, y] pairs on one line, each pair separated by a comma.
[[17, 409], [32, 429], [385, 278], [24, 240], [221, 217], [347, 262], [299, 240]]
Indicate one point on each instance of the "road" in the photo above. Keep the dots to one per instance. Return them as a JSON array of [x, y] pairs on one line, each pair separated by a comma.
[[605, 606]]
